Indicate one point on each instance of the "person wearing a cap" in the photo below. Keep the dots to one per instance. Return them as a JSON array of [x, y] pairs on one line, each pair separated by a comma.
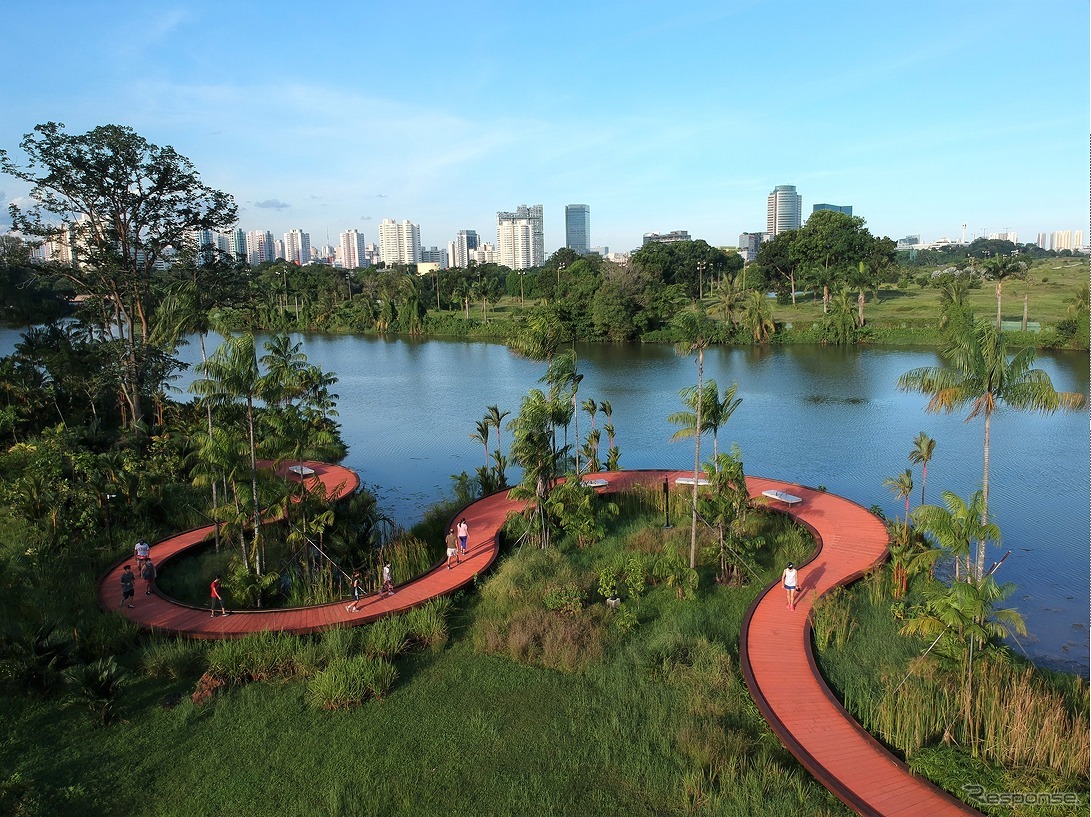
[[791, 584]]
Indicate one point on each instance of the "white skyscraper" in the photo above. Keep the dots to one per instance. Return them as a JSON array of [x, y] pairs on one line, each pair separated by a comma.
[[260, 247], [785, 209], [297, 247], [520, 237], [460, 251], [353, 249], [399, 242]]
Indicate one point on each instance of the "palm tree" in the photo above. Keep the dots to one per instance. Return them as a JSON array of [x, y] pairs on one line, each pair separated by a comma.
[[980, 375], [902, 487], [1000, 269], [481, 435], [494, 417], [758, 317], [840, 325], [229, 375], [694, 328], [716, 413], [956, 526], [923, 448]]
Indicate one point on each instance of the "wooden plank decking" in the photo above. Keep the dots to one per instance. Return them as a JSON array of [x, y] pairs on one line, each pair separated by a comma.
[[775, 646]]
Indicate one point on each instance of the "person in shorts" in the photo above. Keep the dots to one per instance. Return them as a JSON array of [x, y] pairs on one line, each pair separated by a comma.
[[452, 549], [357, 593], [128, 590], [140, 553], [790, 578], [147, 573]]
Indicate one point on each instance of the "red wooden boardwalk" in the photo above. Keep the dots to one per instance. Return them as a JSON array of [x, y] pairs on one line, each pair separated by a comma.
[[775, 646], [780, 669]]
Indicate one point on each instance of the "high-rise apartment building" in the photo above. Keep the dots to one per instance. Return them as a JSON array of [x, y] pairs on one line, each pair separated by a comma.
[[297, 247], [260, 247], [837, 208], [433, 255], [399, 242], [666, 238], [1066, 240], [520, 237], [460, 251], [577, 228], [749, 244], [784, 210], [352, 250]]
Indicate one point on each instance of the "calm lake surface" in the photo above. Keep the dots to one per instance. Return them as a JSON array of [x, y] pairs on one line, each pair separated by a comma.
[[811, 415]]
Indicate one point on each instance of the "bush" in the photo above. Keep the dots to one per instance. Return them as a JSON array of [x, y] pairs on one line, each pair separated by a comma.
[[98, 686], [350, 681], [172, 660]]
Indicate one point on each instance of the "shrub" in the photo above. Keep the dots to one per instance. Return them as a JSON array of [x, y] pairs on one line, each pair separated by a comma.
[[172, 659], [387, 637], [428, 624], [351, 681], [98, 686], [567, 599]]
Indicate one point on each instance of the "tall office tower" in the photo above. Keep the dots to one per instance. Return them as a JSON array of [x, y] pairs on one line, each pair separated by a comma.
[[353, 248], [784, 210], [837, 208], [460, 251], [260, 247], [399, 242], [577, 228], [297, 247], [520, 237]]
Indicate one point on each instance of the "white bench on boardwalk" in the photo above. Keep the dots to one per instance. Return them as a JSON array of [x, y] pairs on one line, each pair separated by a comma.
[[689, 481], [301, 470], [786, 498], [595, 483]]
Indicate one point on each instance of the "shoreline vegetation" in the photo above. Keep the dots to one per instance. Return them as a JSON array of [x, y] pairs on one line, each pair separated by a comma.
[[595, 669]]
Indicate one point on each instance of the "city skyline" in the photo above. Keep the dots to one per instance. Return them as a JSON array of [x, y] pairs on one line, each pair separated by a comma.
[[922, 122]]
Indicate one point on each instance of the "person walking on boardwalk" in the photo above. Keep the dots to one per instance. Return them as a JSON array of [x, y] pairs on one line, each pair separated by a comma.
[[140, 552], [388, 580], [452, 549], [217, 599], [357, 593], [463, 535], [127, 590], [791, 584], [147, 573]]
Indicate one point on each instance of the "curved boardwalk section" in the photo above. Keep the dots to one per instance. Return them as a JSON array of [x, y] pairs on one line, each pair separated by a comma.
[[161, 613], [775, 647], [784, 680]]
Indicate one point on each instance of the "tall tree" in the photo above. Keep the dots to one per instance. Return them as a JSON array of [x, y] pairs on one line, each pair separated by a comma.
[[923, 449], [123, 207], [902, 487], [1000, 269], [716, 412], [955, 526], [979, 375], [694, 329]]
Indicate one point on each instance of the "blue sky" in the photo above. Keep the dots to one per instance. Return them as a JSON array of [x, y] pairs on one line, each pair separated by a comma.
[[330, 115]]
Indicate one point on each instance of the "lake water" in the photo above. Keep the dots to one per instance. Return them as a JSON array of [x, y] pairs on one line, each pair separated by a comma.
[[811, 415]]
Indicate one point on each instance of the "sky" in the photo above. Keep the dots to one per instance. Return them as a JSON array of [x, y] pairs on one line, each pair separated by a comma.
[[923, 115]]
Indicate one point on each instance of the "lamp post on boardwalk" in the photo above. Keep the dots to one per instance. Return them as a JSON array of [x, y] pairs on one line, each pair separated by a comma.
[[667, 504]]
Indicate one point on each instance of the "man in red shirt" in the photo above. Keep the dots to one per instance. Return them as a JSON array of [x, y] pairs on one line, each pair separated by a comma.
[[217, 599]]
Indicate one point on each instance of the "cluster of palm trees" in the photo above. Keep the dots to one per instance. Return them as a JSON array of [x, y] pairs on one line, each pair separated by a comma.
[[978, 376], [277, 407]]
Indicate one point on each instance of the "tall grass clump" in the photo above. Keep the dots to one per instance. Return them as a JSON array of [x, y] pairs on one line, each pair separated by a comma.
[[264, 656], [173, 659], [386, 638], [833, 620], [427, 624], [351, 681]]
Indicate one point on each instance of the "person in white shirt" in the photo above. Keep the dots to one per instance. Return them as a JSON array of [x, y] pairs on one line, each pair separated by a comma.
[[790, 579]]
